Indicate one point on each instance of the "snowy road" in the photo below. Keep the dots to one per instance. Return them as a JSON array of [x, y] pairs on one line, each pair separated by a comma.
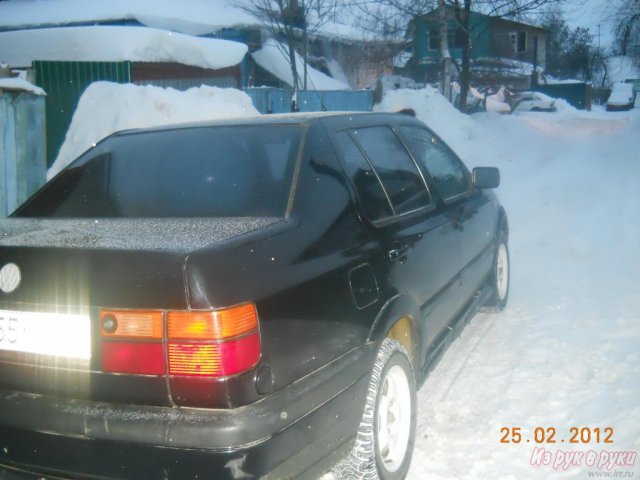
[[566, 351]]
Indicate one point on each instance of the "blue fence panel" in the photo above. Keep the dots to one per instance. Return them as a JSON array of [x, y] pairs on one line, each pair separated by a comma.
[[270, 100], [277, 100], [338, 100], [22, 148]]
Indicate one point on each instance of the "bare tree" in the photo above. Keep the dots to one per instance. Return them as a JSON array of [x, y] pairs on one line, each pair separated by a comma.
[[459, 13], [290, 22], [627, 28]]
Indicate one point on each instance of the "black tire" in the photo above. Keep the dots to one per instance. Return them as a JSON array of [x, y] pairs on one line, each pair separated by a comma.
[[372, 457], [500, 277]]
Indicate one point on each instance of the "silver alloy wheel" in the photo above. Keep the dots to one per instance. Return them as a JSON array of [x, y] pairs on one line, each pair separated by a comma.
[[394, 418], [502, 271]]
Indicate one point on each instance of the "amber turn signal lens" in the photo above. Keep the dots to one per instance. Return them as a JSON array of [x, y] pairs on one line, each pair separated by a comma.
[[131, 323], [213, 325]]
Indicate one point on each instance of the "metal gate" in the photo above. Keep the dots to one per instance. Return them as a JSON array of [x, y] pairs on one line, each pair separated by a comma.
[[64, 83]]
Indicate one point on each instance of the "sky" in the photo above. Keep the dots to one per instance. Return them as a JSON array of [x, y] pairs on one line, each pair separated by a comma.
[[590, 14]]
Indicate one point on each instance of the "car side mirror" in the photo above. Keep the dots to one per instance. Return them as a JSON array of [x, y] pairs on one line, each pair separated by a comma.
[[486, 177]]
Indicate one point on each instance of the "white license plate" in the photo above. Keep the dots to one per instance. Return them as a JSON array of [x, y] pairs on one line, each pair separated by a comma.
[[58, 334]]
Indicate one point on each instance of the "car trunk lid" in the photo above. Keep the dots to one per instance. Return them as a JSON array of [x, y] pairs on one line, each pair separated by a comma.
[[70, 271]]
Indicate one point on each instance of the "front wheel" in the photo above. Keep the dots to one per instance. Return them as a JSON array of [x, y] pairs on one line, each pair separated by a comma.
[[384, 443]]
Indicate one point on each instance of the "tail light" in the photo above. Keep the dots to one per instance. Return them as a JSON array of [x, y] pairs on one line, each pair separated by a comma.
[[212, 343], [217, 343]]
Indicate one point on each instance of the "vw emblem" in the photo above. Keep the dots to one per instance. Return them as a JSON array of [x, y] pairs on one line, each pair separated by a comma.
[[9, 277]]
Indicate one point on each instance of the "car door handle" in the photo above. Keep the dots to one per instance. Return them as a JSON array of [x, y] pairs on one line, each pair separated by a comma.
[[398, 254]]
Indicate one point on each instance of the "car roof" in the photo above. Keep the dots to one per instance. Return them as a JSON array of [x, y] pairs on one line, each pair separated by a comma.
[[297, 118]]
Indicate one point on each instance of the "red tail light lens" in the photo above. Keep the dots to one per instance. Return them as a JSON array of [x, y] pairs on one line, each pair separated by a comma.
[[214, 359], [213, 343], [133, 357]]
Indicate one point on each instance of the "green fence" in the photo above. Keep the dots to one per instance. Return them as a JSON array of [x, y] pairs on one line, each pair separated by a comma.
[[64, 83]]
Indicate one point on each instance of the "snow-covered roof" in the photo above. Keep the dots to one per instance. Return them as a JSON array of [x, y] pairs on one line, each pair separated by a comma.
[[273, 58], [193, 17], [21, 85], [113, 44]]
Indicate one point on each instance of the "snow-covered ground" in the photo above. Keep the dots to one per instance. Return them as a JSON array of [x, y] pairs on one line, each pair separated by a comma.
[[566, 351]]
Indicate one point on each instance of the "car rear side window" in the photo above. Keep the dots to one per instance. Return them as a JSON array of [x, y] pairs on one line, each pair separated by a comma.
[[402, 182], [373, 198], [449, 175], [237, 171]]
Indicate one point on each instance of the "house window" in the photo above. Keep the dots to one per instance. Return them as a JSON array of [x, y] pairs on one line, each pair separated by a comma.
[[519, 41], [434, 40], [454, 37]]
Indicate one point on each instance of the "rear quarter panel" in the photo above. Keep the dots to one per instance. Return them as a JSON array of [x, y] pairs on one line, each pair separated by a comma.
[[297, 272]]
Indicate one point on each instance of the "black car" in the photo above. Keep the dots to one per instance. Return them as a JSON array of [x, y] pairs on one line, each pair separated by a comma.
[[255, 298]]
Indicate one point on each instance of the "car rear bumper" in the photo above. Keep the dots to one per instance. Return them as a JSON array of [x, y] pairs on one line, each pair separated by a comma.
[[280, 436]]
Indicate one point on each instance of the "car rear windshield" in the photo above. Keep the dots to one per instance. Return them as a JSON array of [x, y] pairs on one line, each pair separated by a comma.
[[239, 171]]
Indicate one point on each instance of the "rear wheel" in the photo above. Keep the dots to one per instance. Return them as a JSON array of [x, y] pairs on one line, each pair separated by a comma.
[[384, 443], [499, 278]]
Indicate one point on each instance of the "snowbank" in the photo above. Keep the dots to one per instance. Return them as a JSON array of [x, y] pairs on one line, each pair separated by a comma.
[[273, 58], [20, 84], [434, 110], [122, 107], [116, 44], [565, 351], [193, 17]]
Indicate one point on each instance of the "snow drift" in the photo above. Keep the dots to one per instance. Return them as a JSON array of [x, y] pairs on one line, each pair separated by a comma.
[[105, 108]]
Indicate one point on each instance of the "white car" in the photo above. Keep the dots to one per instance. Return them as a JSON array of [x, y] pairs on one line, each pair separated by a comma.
[[534, 102], [622, 97]]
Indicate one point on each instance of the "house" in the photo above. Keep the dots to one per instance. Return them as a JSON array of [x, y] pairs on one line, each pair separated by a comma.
[[336, 48], [65, 45], [502, 51]]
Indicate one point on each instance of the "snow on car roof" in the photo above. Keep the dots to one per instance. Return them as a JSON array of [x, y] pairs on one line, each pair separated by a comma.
[[155, 234]]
